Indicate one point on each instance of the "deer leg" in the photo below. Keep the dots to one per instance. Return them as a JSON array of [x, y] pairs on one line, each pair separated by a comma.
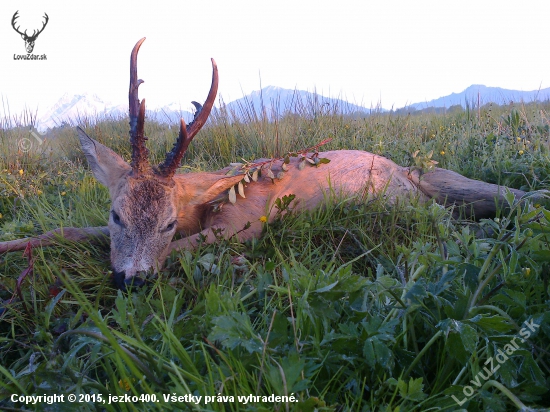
[[478, 199], [215, 233], [73, 234]]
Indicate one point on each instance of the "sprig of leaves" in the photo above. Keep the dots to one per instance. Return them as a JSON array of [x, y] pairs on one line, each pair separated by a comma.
[[251, 171]]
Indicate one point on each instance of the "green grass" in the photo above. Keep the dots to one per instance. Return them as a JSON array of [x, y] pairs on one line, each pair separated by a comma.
[[348, 308]]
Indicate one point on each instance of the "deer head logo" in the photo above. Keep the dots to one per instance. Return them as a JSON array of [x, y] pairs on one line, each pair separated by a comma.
[[29, 40]]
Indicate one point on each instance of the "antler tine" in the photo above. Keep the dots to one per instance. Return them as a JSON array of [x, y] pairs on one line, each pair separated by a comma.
[[173, 158], [140, 163], [203, 112]]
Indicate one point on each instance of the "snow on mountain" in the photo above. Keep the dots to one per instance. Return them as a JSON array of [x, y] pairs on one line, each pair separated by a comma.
[[81, 108]]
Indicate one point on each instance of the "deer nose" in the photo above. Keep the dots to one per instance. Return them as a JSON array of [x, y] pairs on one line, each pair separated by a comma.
[[134, 282], [126, 284]]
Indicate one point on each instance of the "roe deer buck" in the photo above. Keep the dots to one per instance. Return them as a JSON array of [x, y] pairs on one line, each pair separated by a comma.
[[151, 203]]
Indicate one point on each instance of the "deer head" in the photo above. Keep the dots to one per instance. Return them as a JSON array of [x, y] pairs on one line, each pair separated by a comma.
[[143, 217], [29, 40]]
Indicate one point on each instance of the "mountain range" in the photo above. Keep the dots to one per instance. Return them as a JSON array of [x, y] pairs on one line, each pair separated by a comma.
[[269, 103], [486, 95]]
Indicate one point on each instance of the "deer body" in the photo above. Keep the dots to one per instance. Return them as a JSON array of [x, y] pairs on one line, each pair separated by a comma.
[[149, 204], [351, 174]]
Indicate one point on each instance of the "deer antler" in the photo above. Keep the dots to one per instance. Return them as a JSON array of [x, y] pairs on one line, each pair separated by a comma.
[[140, 163], [173, 158]]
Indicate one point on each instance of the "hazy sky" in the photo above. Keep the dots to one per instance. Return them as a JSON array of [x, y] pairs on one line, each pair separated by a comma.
[[396, 52]]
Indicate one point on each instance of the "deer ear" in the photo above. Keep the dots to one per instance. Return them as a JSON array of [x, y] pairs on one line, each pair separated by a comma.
[[107, 166]]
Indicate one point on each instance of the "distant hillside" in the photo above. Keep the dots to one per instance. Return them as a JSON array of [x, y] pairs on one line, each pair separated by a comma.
[[276, 101], [486, 95]]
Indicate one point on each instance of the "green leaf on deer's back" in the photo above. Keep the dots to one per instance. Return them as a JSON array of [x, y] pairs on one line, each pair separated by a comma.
[[232, 195], [324, 160]]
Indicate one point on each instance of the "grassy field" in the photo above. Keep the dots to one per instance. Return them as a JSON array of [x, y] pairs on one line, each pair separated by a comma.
[[352, 307]]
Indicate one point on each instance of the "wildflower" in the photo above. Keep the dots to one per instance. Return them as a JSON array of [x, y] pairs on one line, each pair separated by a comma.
[[124, 384], [0, 215], [21, 172], [537, 205], [39, 192], [63, 193], [520, 152], [526, 271], [263, 219], [442, 153]]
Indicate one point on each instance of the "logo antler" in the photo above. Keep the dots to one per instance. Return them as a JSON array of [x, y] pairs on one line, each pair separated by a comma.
[[29, 40]]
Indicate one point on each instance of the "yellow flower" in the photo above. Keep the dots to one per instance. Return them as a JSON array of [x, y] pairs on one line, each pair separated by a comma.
[[21, 172], [124, 384], [263, 219], [63, 193], [526, 271], [39, 192], [0, 215], [520, 152], [442, 153]]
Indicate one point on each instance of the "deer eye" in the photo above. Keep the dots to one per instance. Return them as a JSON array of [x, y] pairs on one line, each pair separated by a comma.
[[171, 226], [116, 218]]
